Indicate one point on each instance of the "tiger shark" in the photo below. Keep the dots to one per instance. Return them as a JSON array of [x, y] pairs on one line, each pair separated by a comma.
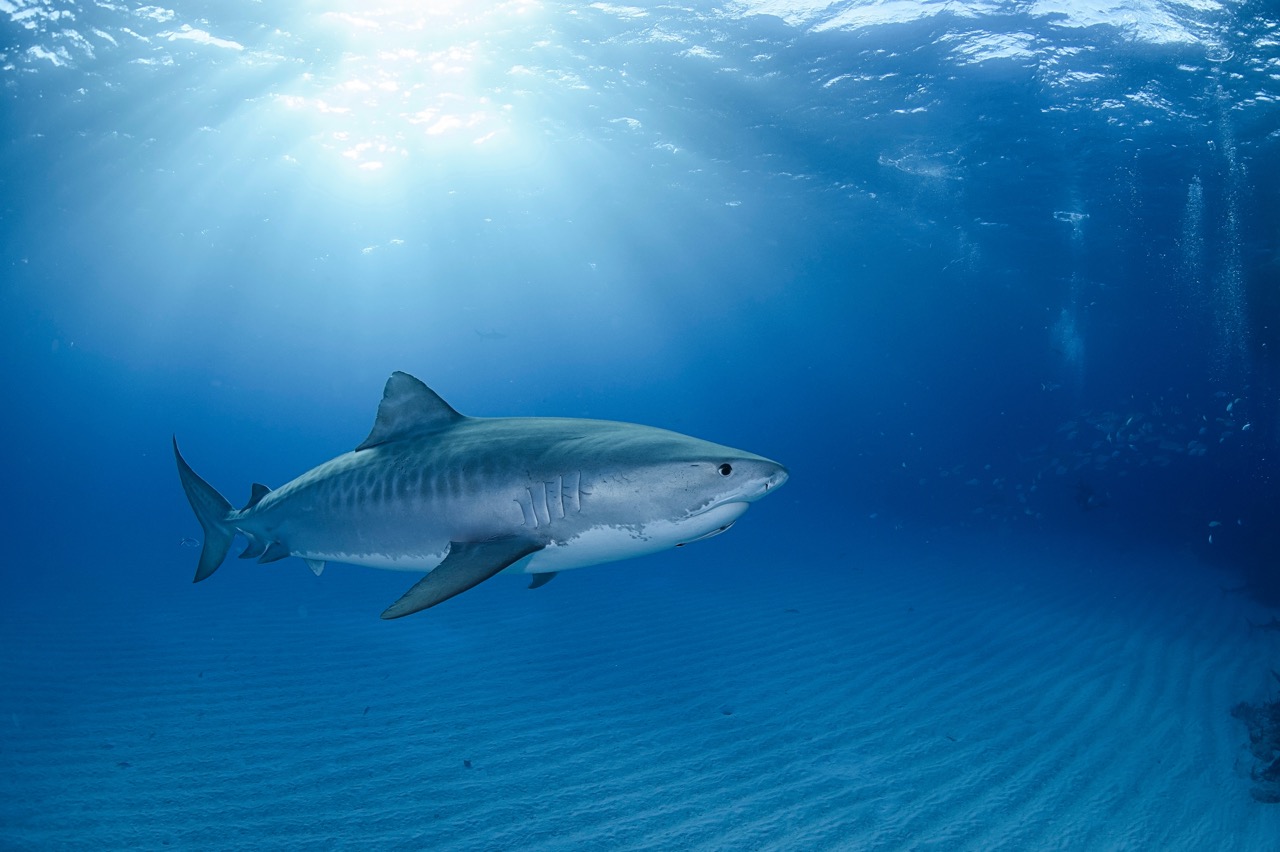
[[466, 498]]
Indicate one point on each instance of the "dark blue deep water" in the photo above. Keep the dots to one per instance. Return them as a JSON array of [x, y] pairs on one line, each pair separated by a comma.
[[999, 282]]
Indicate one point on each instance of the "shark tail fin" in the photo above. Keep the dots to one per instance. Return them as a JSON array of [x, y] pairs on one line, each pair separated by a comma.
[[212, 511]]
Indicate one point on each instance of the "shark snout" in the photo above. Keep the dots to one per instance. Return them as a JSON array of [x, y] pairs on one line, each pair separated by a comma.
[[766, 476], [777, 479]]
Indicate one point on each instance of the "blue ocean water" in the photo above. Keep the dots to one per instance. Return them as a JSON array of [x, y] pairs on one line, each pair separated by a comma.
[[996, 281]]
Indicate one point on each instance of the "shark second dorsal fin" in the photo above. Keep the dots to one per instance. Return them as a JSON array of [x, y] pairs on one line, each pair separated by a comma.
[[255, 497], [408, 409]]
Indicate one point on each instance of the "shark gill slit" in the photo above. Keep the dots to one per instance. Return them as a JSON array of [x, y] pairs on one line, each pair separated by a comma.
[[555, 497], [540, 509], [575, 496], [530, 516]]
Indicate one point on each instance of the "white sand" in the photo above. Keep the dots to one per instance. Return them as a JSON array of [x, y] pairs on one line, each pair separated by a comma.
[[959, 698]]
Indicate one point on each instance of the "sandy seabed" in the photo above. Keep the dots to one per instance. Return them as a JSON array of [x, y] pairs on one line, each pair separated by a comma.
[[966, 698]]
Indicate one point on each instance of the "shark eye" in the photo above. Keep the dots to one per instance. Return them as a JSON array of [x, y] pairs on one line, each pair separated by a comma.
[[725, 469]]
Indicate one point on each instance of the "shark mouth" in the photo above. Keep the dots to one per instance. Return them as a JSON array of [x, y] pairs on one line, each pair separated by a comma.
[[715, 532], [722, 516]]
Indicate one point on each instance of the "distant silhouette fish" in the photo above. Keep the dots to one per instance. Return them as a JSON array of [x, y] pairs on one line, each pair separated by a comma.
[[189, 542]]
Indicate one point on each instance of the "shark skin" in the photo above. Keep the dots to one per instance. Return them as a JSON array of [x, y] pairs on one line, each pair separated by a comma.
[[466, 498]]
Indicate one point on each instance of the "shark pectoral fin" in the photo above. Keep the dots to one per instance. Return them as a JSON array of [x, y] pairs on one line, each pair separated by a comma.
[[316, 565], [541, 579], [468, 564]]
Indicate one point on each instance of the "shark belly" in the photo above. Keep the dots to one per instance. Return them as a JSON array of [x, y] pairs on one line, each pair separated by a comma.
[[388, 561], [592, 545]]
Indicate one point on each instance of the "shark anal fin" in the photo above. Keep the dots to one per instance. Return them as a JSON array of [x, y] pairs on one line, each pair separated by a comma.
[[542, 579], [316, 565], [275, 551], [255, 548], [468, 564]]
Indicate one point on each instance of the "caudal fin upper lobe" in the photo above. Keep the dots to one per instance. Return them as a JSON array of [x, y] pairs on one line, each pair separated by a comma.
[[212, 511]]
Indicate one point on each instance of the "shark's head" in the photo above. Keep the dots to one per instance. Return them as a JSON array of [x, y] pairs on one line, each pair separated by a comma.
[[681, 489], [727, 488], [731, 476], [721, 489]]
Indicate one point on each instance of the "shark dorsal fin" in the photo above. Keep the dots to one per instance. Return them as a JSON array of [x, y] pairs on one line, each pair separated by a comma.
[[408, 409], [255, 497]]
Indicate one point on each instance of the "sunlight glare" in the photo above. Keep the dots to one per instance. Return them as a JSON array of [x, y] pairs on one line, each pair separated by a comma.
[[403, 79]]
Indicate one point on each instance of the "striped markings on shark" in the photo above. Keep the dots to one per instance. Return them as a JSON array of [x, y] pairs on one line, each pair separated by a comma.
[[465, 498]]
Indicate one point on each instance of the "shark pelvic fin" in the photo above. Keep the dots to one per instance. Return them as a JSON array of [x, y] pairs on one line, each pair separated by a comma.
[[408, 409], [316, 565], [212, 511], [467, 564], [539, 580]]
